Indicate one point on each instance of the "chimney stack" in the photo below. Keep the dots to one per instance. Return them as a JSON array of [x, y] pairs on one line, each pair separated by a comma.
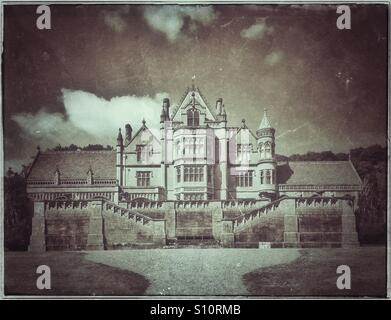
[[166, 108], [128, 132], [219, 104]]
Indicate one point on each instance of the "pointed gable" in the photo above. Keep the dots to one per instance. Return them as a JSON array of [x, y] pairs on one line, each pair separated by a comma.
[[193, 97], [244, 135], [144, 136]]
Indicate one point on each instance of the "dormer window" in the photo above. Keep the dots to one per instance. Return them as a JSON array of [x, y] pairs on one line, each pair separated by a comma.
[[90, 176], [193, 118], [144, 152], [243, 152], [57, 177]]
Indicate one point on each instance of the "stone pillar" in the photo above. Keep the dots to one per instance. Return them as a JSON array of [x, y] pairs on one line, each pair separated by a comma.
[[38, 232], [223, 158], [227, 235], [163, 179], [291, 223], [159, 232], [349, 231], [116, 196], [217, 216], [95, 227], [170, 217], [291, 231]]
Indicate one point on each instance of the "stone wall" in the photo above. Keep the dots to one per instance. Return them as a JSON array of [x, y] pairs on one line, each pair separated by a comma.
[[287, 222], [295, 222], [120, 232], [194, 224], [267, 229], [91, 225], [67, 231]]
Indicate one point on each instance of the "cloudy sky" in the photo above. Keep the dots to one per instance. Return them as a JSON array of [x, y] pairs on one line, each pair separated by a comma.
[[100, 67]]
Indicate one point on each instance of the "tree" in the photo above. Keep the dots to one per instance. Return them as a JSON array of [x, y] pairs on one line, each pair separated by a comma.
[[17, 213]]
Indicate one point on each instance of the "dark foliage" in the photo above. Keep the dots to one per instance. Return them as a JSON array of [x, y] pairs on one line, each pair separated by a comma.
[[17, 212], [371, 165]]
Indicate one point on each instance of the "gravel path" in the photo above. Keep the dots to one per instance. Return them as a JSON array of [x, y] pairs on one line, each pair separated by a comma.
[[194, 271]]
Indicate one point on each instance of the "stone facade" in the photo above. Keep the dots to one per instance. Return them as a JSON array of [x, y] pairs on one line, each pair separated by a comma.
[[192, 178]]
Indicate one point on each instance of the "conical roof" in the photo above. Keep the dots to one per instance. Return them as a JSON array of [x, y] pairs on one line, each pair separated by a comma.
[[265, 123]]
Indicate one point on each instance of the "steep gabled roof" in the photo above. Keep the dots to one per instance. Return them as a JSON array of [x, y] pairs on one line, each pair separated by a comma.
[[73, 165], [144, 130], [238, 133], [185, 101], [318, 173]]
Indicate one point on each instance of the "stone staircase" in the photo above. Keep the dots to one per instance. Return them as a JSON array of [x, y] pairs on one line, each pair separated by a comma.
[[295, 222], [253, 217], [140, 231], [130, 214]]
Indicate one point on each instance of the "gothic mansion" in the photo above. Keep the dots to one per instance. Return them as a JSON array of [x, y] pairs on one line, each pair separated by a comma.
[[195, 161]]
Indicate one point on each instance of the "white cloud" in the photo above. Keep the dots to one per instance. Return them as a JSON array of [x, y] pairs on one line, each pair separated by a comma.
[[114, 21], [273, 58], [257, 31], [170, 19], [89, 119]]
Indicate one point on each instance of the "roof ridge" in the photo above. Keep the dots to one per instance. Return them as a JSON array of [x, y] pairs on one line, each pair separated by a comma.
[[319, 161], [75, 151]]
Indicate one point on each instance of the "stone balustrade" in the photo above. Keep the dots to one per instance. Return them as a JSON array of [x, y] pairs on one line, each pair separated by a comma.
[[195, 204], [74, 182], [153, 205], [318, 203]]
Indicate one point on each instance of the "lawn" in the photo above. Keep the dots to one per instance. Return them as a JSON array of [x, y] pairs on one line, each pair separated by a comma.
[[238, 272], [71, 274], [314, 274]]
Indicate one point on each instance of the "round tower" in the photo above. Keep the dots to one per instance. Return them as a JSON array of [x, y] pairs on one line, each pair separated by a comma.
[[266, 168]]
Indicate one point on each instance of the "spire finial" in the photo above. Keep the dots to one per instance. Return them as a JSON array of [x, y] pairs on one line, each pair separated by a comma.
[[265, 121], [193, 81], [144, 122]]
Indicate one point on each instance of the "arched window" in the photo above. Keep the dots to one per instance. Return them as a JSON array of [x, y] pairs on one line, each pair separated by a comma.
[[268, 177], [193, 118], [262, 176], [262, 150], [268, 150]]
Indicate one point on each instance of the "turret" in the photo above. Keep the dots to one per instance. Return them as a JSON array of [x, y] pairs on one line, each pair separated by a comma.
[[266, 163], [265, 138]]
